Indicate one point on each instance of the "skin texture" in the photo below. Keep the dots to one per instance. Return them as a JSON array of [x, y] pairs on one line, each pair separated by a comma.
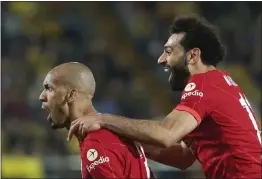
[[67, 96]]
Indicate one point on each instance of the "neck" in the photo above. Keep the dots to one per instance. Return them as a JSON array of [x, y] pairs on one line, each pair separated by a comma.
[[76, 111], [201, 69]]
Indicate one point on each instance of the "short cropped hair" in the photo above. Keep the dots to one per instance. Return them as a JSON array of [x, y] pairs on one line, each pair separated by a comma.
[[199, 33]]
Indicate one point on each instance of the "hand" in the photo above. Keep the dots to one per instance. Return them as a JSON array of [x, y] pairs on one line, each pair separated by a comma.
[[83, 125]]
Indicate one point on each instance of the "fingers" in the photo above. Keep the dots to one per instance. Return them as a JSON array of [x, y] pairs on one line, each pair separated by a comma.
[[75, 121], [83, 132], [79, 131], [81, 127], [73, 129], [77, 127]]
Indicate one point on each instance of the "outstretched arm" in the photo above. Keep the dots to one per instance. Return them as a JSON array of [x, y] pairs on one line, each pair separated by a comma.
[[166, 134]]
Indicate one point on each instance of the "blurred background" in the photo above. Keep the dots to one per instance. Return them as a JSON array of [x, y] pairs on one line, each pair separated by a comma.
[[120, 42]]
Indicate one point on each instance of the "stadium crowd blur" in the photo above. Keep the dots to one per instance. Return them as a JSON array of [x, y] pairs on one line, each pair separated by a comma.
[[120, 42]]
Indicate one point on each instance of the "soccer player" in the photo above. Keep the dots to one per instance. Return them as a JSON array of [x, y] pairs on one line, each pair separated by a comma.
[[214, 119], [67, 95]]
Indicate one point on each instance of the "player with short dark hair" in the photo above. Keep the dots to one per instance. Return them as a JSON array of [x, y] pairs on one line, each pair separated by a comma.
[[67, 95], [214, 119], [200, 33]]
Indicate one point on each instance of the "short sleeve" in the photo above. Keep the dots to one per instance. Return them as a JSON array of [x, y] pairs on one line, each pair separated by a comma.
[[100, 161], [196, 98]]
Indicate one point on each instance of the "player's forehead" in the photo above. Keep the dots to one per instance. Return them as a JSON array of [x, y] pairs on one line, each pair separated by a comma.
[[51, 78], [174, 40]]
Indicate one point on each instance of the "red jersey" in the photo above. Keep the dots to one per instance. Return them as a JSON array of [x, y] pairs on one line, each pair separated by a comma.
[[106, 155], [227, 141]]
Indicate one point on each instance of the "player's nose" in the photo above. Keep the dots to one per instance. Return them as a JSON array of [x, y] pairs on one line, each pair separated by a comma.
[[42, 97], [161, 59]]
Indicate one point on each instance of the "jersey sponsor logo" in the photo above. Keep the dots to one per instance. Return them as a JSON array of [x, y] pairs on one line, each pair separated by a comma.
[[91, 154], [190, 87], [93, 165], [194, 93]]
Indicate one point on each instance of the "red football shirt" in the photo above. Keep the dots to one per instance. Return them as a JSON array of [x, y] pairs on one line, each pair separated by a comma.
[[106, 155], [227, 141]]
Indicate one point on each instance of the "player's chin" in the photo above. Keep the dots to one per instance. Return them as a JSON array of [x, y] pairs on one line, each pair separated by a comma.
[[175, 85], [172, 82], [53, 123], [56, 126]]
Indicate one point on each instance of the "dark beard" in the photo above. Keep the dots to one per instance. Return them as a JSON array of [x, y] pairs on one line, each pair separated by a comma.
[[55, 126], [58, 126], [180, 76]]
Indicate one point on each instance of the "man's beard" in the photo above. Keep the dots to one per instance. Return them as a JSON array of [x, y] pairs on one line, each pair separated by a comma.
[[55, 125], [180, 76]]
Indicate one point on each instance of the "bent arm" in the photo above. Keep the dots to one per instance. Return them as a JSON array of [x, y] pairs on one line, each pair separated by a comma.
[[166, 134], [178, 156]]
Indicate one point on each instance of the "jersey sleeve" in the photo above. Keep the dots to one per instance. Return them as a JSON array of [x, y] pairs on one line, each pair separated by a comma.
[[197, 98], [100, 161]]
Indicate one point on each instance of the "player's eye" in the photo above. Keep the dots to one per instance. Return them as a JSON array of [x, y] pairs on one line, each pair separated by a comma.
[[168, 52], [47, 87]]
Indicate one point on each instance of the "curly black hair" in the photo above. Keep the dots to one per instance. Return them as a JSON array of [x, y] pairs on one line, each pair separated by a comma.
[[199, 33]]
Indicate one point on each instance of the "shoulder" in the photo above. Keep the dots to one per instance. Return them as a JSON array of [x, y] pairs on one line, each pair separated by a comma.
[[202, 90], [202, 85], [106, 138], [208, 78], [98, 141], [102, 135]]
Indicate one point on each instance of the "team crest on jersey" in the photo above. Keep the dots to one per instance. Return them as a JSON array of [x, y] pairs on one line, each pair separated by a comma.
[[190, 87], [91, 154]]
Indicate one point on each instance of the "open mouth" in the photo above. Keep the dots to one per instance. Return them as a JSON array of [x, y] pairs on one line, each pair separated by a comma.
[[48, 112], [49, 118], [168, 69]]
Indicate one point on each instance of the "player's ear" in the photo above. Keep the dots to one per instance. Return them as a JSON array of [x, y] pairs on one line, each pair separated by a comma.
[[71, 96], [194, 55]]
